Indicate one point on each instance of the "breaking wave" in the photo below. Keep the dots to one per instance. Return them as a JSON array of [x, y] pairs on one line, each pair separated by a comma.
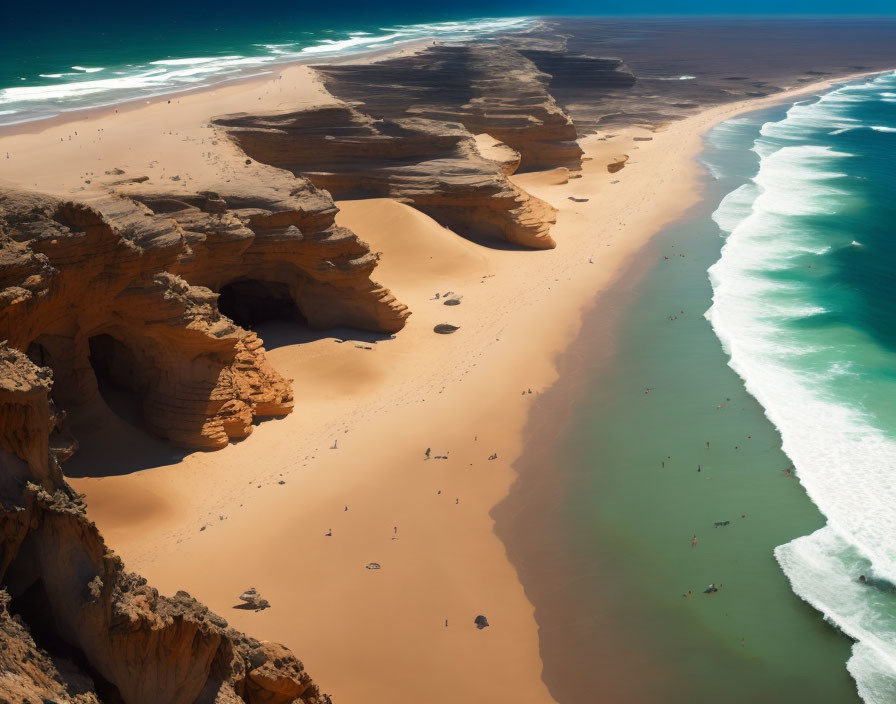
[[797, 305], [81, 87]]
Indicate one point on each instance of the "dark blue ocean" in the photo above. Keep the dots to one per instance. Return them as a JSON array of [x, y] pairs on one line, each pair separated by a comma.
[[57, 56]]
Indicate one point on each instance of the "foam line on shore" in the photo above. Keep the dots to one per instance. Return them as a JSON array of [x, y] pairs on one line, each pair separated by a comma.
[[812, 379], [48, 94]]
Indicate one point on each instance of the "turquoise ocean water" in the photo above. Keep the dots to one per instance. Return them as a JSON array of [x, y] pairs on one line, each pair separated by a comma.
[[798, 234], [745, 398], [73, 67], [804, 302]]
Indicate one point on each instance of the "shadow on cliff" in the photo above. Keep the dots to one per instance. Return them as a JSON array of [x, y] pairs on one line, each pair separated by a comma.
[[112, 440], [494, 243], [112, 437], [276, 334]]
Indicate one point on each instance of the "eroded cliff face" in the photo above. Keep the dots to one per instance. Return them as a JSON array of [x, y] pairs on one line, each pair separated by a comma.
[[98, 293], [489, 89], [433, 165], [74, 625], [279, 230], [155, 289], [129, 288], [408, 130]]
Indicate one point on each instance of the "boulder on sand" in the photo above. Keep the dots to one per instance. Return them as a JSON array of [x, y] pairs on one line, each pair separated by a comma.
[[253, 600]]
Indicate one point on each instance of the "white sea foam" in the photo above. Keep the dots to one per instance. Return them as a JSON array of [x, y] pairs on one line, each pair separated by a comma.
[[328, 46], [79, 89], [843, 459], [882, 128], [823, 569], [192, 61], [474, 26], [838, 369]]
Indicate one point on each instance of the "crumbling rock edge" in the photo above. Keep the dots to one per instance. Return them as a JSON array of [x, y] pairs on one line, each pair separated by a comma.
[[75, 626], [433, 165]]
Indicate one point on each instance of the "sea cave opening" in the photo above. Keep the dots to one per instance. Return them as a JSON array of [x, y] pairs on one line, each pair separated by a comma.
[[113, 424], [39, 354], [33, 607], [119, 376], [249, 302]]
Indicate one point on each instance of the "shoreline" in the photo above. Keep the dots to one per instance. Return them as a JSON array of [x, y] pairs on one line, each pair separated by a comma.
[[258, 74], [469, 387], [276, 70], [587, 357]]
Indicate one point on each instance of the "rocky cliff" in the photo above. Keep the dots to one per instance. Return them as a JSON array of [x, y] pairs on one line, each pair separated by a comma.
[[487, 88], [433, 165], [74, 625], [143, 291], [154, 291]]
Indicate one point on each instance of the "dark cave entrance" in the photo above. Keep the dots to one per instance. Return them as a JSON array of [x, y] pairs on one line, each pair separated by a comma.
[[119, 377], [113, 421], [32, 606], [39, 354], [249, 302]]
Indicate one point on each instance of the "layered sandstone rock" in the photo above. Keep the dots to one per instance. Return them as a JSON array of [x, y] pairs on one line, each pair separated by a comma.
[[85, 630], [274, 228], [487, 88], [129, 293], [495, 150], [434, 166]]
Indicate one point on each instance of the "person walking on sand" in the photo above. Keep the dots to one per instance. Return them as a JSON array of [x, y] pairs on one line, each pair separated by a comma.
[[394, 532]]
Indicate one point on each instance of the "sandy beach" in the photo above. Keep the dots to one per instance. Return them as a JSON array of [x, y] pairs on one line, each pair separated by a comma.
[[351, 460]]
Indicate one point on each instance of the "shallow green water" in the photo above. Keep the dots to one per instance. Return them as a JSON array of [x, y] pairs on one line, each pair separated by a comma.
[[639, 481]]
